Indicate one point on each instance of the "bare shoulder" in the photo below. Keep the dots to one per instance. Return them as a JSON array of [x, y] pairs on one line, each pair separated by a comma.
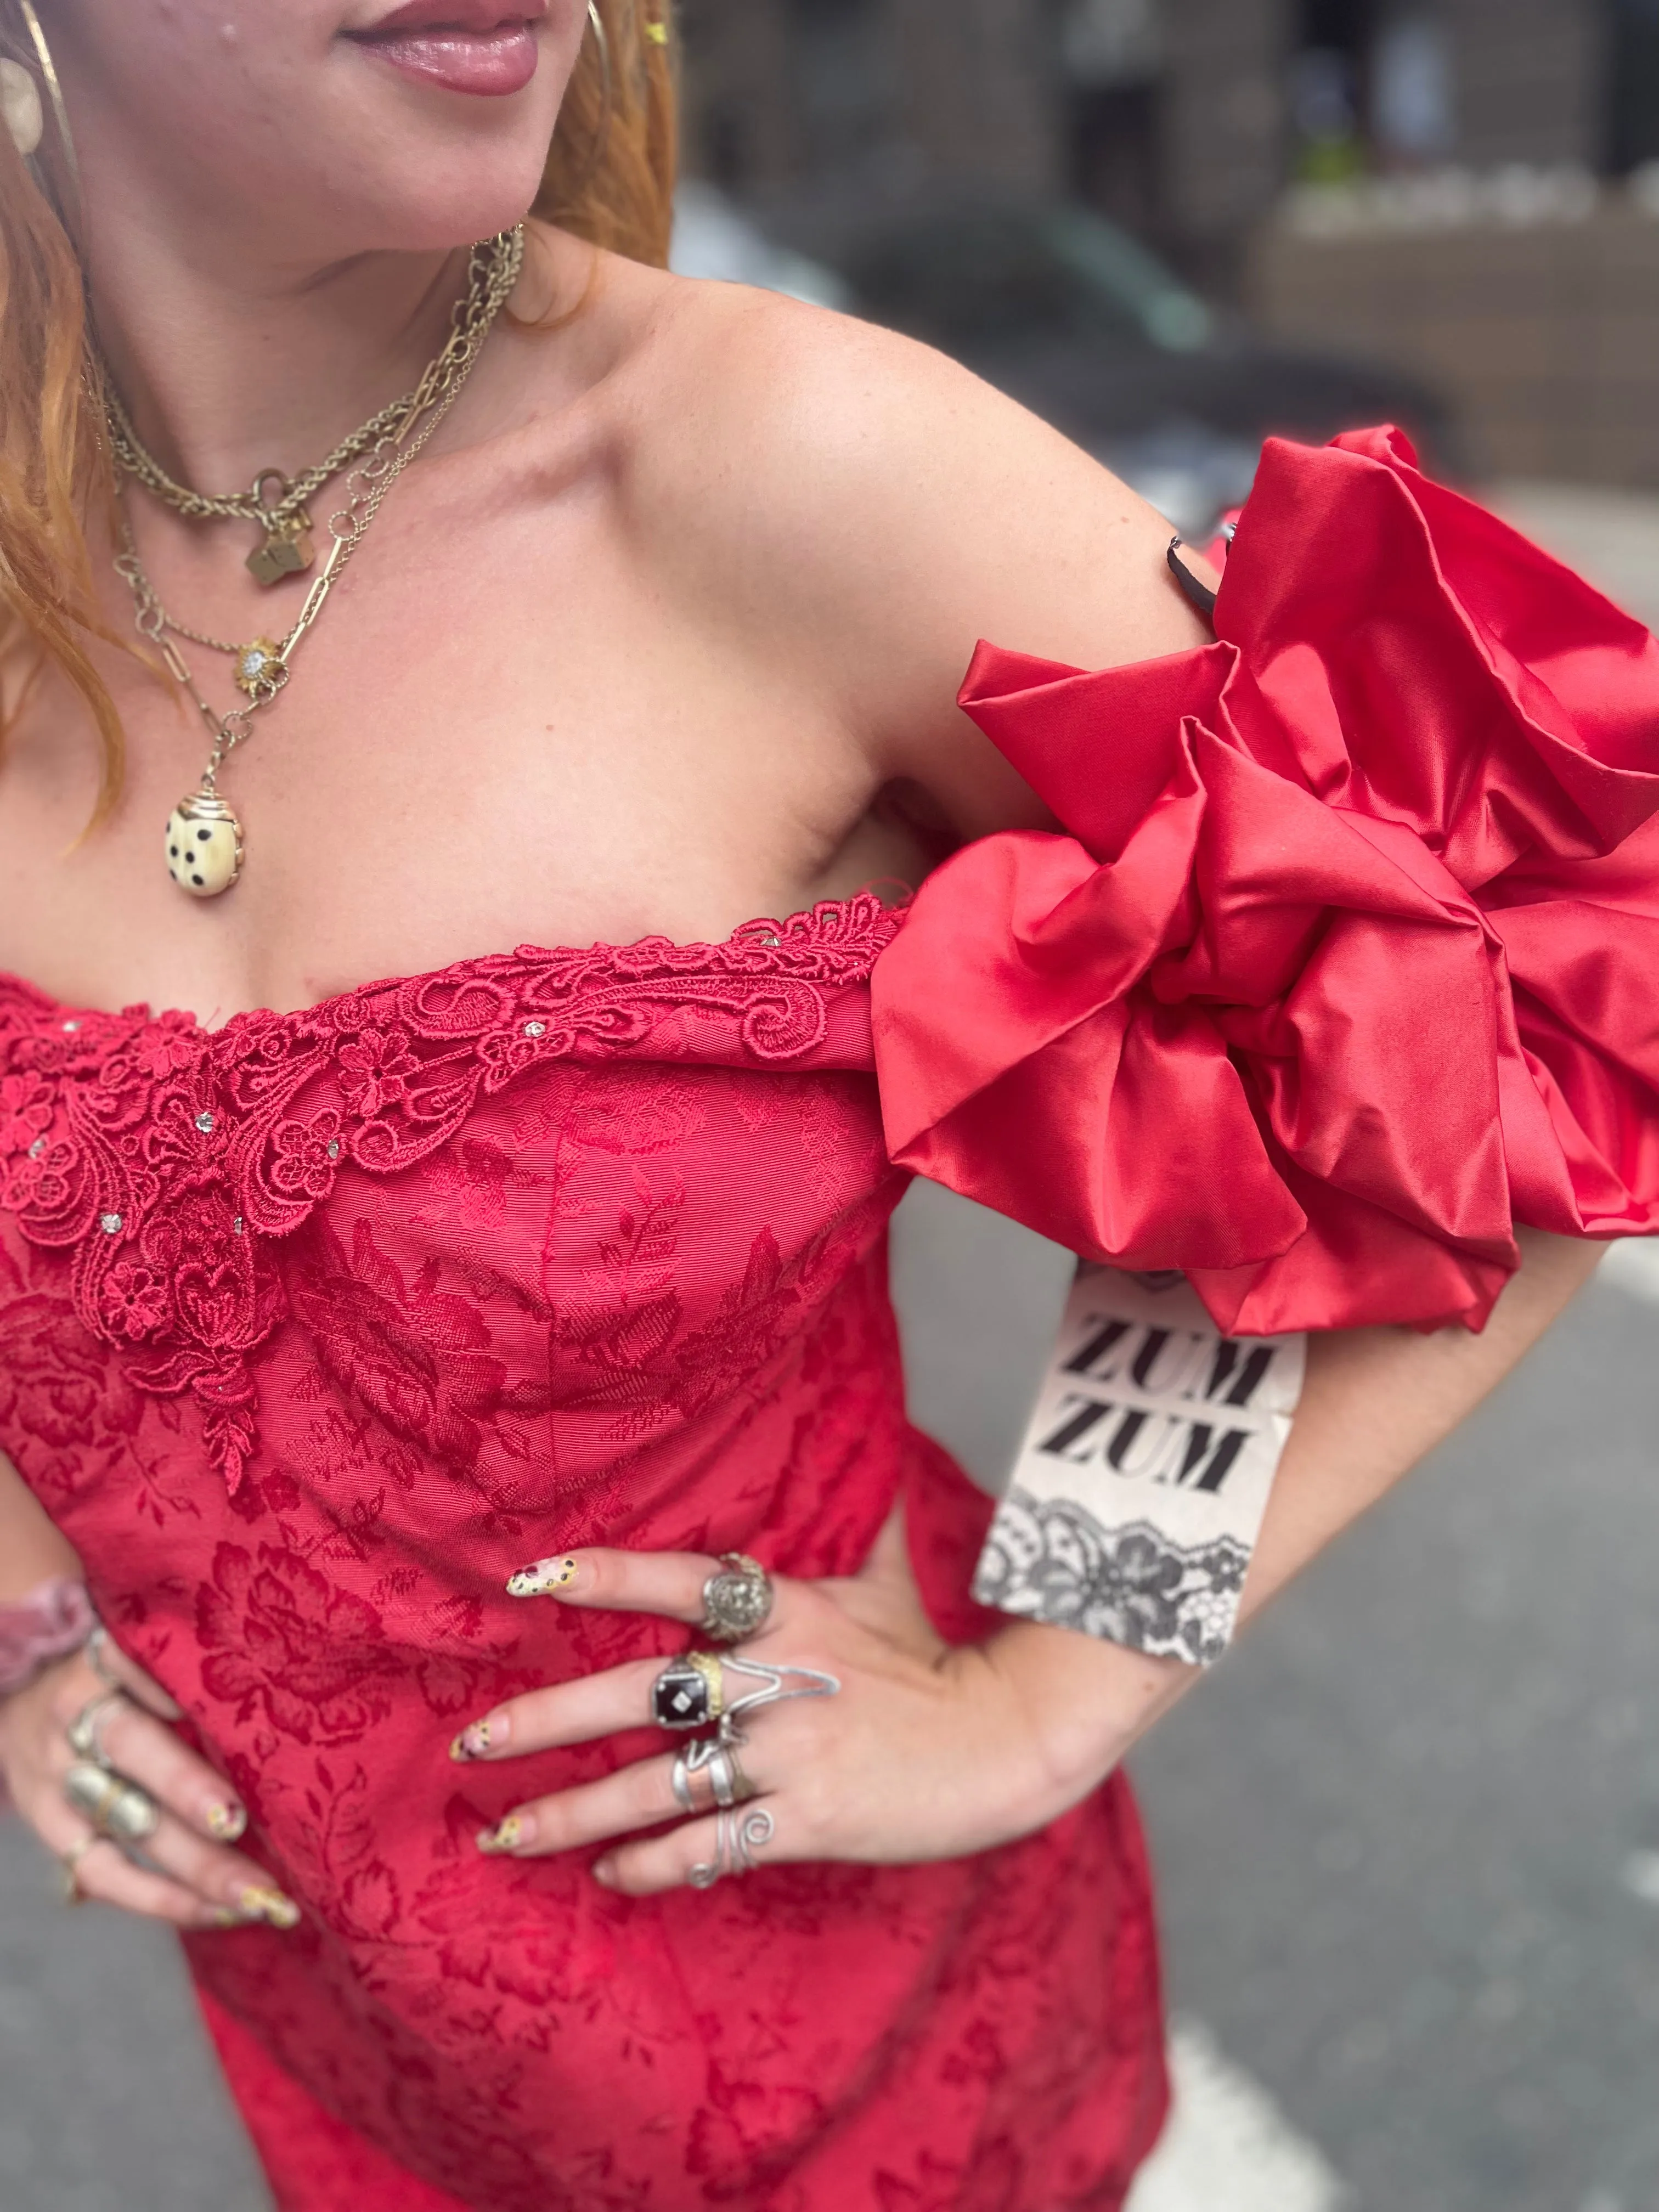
[[844, 497]]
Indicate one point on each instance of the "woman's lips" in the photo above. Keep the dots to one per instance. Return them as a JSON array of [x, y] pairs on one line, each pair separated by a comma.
[[493, 63]]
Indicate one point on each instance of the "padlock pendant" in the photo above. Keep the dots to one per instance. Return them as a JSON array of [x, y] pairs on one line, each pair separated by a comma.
[[287, 551]]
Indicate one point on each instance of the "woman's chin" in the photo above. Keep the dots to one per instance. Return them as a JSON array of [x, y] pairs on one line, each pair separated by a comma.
[[427, 196]]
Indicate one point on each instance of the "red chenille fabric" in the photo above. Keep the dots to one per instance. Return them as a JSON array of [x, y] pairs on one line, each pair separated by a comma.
[[1346, 965], [313, 1328]]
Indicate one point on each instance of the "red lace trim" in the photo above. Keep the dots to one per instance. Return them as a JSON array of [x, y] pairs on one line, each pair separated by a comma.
[[166, 1155]]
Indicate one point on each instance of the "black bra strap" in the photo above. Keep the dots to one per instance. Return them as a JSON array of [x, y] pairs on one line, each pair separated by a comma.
[[1197, 593]]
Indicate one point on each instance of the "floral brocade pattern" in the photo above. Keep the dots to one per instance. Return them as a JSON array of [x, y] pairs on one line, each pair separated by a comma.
[[314, 1328], [166, 1156]]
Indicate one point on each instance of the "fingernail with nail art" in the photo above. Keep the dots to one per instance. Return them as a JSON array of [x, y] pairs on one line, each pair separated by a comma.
[[226, 1821], [477, 1739], [271, 1906], [542, 1578], [506, 1837]]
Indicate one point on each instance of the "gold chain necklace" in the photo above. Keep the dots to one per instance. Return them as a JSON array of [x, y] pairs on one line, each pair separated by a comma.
[[205, 846], [285, 547]]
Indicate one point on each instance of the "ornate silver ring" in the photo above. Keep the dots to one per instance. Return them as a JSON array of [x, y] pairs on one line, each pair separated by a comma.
[[709, 1774], [737, 1602]]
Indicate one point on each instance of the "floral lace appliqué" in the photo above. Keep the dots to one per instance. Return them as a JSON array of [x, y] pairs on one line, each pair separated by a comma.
[[165, 1158]]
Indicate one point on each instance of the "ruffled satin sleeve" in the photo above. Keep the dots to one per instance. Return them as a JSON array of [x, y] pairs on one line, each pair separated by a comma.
[[1348, 962]]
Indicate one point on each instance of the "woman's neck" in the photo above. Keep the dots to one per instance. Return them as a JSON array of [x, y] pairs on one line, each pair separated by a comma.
[[228, 367]]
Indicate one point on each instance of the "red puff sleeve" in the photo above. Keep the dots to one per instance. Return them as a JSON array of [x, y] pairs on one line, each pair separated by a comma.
[[1351, 960]]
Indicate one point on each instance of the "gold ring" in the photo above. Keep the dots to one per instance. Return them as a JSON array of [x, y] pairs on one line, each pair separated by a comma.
[[70, 1861]]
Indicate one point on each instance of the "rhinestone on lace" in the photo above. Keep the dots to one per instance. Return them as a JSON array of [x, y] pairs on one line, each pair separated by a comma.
[[333, 1148], [70, 1028], [37, 1148], [535, 1029], [236, 1225], [110, 1224], [204, 1123]]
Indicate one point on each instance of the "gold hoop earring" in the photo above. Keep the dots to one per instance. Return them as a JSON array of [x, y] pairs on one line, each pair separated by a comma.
[[54, 95], [607, 100]]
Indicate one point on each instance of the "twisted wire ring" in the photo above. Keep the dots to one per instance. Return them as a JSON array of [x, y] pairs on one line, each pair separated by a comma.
[[737, 1837]]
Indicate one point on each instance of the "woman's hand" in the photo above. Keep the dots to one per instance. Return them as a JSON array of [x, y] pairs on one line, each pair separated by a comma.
[[927, 1751], [194, 1879]]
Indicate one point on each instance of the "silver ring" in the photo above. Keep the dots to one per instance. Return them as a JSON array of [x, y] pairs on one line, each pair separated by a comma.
[[737, 1837], [116, 1808], [737, 1602], [812, 1683], [714, 1760], [96, 1648], [83, 1731]]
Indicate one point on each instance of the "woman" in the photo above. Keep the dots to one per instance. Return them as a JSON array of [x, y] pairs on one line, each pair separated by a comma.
[[398, 1367]]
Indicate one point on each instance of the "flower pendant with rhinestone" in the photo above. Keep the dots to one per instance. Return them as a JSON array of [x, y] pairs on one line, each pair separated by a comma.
[[259, 666]]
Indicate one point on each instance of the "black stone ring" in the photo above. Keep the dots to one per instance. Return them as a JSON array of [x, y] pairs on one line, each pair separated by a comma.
[[690, 1691]]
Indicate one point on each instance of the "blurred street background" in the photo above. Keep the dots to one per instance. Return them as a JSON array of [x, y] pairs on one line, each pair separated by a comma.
[[1408, 1837], [1174, 225]]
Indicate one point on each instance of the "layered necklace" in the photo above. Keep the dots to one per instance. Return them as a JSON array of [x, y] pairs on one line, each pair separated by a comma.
[[206, 847]]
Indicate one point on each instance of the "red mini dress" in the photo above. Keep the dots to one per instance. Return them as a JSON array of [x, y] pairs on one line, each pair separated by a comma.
[[314, 1326]]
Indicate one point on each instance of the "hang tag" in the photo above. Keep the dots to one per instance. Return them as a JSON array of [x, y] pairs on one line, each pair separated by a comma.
[[1139, 1489]]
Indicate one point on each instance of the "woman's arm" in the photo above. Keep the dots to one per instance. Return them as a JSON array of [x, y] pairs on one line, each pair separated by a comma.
[[1376, 1401], [933, 1751]]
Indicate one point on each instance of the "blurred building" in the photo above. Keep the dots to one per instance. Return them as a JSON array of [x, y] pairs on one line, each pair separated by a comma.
[[1434, 181], [1183, 117]]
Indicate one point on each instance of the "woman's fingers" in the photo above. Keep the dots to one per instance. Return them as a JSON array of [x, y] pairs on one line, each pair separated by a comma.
[[637, 1797], [141, 1747], [104, 1876], [112, 1666], [725, 1844], [666, 1583], [594, 1705], [569, 1713], [222, 1881]]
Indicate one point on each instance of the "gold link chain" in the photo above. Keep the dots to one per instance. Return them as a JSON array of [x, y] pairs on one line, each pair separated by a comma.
[[494, 271]]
